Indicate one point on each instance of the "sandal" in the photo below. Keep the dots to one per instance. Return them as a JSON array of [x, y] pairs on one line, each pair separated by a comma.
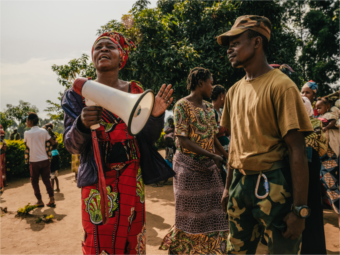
[[53, 205], [40, 205]]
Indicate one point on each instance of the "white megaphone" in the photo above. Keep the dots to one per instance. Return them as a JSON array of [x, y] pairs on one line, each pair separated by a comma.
[[133, 109]]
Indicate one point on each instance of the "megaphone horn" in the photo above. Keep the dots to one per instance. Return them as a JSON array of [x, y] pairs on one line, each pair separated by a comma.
[[133, 109]]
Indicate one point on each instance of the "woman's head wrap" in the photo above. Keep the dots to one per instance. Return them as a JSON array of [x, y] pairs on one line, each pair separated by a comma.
[[124, 44], [308, 106], [312, 85]]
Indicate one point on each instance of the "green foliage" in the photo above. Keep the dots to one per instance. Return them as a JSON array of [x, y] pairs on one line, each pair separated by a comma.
[[24, 211], [160, 144], [78, 67], [64, 155], [15, 157], [45, 218], [321, 53], [5, 121], [17, 113], [177, 36], [180, 35], [317, 27], [56, 113]]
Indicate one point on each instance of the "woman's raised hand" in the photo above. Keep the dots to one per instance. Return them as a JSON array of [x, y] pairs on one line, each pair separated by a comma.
[[162, 100]]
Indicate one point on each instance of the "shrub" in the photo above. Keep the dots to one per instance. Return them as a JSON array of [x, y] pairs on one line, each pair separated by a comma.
[[160, 144], [15, 157], [64, 155]]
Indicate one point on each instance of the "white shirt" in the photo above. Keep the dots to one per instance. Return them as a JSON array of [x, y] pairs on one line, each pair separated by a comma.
[[35, 140]]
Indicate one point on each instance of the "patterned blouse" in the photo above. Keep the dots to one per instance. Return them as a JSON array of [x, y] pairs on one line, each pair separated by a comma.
[[317, 140], [197, 124]]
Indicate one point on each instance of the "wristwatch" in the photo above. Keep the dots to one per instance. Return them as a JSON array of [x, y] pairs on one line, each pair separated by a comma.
[[301, 211]]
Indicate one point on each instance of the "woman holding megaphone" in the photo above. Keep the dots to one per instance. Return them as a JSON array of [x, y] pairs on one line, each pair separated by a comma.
[[112, 157]]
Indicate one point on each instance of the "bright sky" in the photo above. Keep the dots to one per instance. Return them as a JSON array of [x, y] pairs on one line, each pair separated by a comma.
[[37, 34]]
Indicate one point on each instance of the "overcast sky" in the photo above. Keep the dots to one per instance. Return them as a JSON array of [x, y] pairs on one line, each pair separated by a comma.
[[37, 34]]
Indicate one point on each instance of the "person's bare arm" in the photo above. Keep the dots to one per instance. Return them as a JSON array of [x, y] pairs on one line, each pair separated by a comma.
[[191, 146], [225, 196], [330, 125], [220, 148], [53, 141], [295, 142]]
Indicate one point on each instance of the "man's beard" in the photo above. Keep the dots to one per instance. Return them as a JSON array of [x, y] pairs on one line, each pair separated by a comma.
[[240, 64]]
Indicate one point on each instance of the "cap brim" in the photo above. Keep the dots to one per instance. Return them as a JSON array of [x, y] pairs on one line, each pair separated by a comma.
[[223, 38]]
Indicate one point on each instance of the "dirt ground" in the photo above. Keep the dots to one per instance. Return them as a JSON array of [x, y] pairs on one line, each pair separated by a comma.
[[63, 236]]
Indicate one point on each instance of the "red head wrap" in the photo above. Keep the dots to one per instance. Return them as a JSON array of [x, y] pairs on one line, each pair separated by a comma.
[[124, 44]]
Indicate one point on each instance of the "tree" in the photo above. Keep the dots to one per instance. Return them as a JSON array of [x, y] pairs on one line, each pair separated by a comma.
[[177, 36], [5, 121], [321, 51], [79, 67], [19, 112], [295, 12]]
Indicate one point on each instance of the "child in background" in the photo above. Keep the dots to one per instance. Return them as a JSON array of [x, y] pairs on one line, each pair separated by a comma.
[[330, 161], [327, 114], [55, 165]]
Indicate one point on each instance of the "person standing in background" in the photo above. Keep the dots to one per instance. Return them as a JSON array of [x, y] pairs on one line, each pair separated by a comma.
[[15, 135], [200, 225], [35, 142], [55, 165]]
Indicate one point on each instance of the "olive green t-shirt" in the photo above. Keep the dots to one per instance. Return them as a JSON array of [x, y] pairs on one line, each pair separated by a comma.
[[259, 113]]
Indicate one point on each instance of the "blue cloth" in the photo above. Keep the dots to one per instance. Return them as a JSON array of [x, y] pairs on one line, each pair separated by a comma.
[[313, 86], [169, 163], [54, 153], [79, 141]]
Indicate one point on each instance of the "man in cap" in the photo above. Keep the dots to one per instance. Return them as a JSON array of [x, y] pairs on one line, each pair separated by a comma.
[[15, 135], [265, 190]]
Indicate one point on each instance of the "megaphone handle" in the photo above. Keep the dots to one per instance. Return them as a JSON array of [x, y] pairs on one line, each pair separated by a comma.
[[94, 127]]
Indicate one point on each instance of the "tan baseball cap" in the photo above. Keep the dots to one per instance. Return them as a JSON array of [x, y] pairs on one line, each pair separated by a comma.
[[254, 22]]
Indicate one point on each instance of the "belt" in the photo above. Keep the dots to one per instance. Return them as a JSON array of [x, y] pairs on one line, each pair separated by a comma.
[[276, 165]]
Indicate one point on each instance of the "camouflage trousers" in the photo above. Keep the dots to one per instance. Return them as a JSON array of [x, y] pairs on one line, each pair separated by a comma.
[[250, 217]]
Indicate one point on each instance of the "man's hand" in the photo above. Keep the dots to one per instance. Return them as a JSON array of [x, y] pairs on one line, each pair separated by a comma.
[[295, 226], [91, 115], [225, 199]]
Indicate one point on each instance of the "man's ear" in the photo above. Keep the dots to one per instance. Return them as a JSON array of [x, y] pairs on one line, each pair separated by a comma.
[[200, 83], [258, 42]]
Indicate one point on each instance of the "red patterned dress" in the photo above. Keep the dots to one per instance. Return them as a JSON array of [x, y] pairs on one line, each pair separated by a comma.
[[125, 231]]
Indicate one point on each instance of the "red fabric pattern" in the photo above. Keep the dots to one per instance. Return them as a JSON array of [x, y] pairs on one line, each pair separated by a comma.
[[123, 190]]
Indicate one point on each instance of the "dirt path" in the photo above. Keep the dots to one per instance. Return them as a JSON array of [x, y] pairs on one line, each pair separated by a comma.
[[25, 236]]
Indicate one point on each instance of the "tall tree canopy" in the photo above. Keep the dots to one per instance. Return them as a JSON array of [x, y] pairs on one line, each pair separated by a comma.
[[19, 112], [176, 36], [179, 35], [317, 26]]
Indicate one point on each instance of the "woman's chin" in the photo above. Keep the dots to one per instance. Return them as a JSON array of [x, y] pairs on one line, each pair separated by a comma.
[[105, 68]]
